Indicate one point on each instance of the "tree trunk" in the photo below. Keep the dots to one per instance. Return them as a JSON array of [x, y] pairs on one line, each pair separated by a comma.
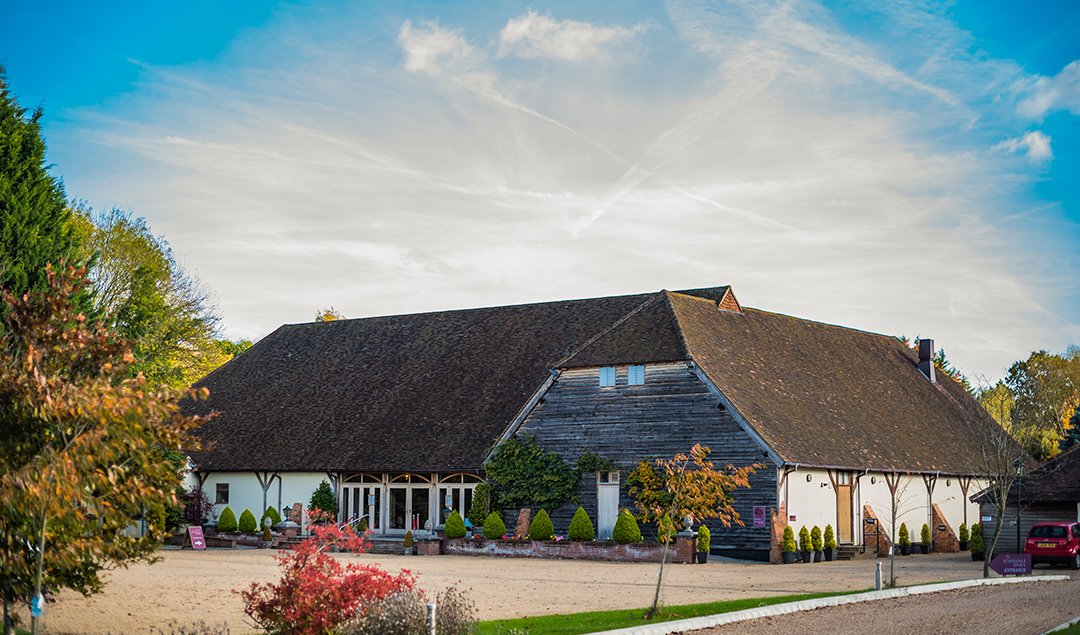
[[997, 532], [9, 610]]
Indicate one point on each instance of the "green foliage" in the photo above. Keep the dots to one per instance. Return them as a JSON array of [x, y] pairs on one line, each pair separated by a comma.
[[976, 544], [455, 525], [36, 227], [227, 520], [1045, 387], [323, 499], [272, 514], [1071, 436], [626, 529], [581, 527], [924, 534], [494, 526], [267, 536], [804, 540], [704, 540], [408, 543], [529, 476], [247, 522], [481, 504], [815, 538], [905, 537], [541, 527], [964, 535], [589, 462], [789, 540], [166, 312], [830, 538]]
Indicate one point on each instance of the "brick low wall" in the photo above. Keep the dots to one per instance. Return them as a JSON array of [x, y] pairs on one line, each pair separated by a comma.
[[681, 552]]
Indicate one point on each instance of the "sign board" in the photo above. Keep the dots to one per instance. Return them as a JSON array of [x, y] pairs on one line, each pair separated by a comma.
[[941, 527], [194, 538], [759, 516], [791, 518], [987, 519], [1012, 564], [870, 521]]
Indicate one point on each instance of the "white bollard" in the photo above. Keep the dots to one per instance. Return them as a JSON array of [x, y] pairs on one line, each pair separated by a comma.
[[877, 577], [431, 618]]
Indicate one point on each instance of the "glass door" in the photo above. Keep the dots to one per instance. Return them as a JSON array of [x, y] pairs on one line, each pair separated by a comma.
[[399, 508]]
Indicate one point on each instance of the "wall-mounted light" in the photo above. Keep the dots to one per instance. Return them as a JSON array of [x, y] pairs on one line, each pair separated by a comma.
[[809, 477], [948, 482], [873, 480]]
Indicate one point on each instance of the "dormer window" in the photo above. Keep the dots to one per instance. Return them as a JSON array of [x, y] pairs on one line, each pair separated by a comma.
[[607, 377], [635, 376]]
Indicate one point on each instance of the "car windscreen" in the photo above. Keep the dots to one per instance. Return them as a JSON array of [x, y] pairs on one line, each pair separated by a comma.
[[1047, 531]]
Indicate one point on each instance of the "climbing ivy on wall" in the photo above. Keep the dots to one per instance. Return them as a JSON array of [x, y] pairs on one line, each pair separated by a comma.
[[526, 475]]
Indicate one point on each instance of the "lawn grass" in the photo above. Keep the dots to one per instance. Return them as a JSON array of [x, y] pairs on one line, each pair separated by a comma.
[[578, 623]]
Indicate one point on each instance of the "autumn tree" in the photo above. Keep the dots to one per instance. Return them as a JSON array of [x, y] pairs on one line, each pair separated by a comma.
[[151, 298], [1045, 388], [668, 492], [83, 447], [35, 223], [328, 315]]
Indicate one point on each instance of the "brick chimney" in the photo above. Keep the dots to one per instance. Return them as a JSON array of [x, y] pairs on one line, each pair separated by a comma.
[[926, 359]]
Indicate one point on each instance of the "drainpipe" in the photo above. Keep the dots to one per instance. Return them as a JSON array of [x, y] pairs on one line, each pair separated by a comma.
[[858, 498]]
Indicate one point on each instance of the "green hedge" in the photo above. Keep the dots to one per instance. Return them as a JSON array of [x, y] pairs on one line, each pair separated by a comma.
[[789, 540], [272, 514], [830, 538], [626, 529], [581, 527], [247, 522], [227, 520], [494, 527], [541, 527], [455, 526]]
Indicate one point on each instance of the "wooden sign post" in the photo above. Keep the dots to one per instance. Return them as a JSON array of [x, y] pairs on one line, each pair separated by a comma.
[[194, 538]]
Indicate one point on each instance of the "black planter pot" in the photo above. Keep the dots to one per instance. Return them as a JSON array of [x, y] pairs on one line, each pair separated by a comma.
[[925, 548], [830, 554], [807, 556], [789, 557], [905, 551], [702, 557], [819, 556], [963, 546], [978, 557]]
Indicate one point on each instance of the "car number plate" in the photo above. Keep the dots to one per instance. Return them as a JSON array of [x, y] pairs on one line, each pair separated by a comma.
[[1047, 544]]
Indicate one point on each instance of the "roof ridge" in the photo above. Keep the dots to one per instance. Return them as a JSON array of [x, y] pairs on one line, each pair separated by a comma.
[[678, 321], [652, 298]]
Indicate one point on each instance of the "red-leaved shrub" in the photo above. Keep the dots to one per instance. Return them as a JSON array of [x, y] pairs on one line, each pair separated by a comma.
[[316, 592]]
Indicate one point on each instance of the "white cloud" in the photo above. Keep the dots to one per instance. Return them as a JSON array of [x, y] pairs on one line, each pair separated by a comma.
[[1035, 144], [1049, 94], [426, 46], [534, 35]]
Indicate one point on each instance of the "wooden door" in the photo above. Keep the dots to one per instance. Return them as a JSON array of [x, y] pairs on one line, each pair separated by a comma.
[[843, 507], [607, 503]]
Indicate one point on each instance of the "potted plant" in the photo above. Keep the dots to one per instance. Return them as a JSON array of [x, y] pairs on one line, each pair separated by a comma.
[[267, 537], [455, 526], [963, 537], [703, 540], [978, 549], [805, 546], [905, 540], [924, 535], [789, 545], [817, 544], [408, 543], [830, 544]]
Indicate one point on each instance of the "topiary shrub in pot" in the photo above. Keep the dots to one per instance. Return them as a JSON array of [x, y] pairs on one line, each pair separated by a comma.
[[626, 529], [227, 520], [703, 543], [964, 537], [924, 536], [455, 526], [494, 527], [247, 524], [481, 506], [789, 546], [905, 540], [272, 514], [805, 548], [581, 528], [816, 544], [408, 543], [541, 527], [978, 549], [830, 544]]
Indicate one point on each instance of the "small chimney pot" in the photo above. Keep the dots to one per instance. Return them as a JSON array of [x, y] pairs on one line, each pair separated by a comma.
[[926, 359]]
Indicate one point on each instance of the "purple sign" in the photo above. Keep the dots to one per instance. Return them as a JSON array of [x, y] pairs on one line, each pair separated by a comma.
[[759, 516], [195, 538], [1012, 564]]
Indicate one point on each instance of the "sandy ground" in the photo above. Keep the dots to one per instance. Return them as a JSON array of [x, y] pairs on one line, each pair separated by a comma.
[[188, 586], [1016, 609]]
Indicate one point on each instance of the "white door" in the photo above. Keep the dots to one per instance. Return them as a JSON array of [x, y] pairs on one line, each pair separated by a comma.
[[607, 503]]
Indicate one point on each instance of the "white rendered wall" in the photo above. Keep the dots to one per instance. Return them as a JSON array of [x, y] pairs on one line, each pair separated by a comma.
[[246, 493]]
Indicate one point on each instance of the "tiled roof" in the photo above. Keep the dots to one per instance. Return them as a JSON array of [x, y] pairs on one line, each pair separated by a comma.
[[430, 391], [1056, 481]]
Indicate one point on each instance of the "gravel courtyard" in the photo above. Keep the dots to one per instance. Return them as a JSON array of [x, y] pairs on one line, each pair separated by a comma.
[[187, 586]]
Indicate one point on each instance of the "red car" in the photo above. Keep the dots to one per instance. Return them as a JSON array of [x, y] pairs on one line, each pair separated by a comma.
[[1054, 543]]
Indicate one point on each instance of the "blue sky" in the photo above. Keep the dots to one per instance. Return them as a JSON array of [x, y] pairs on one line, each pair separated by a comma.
[[899, 167]]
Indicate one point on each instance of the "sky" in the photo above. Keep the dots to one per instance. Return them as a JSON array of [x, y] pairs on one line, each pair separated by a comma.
[[907, 168]]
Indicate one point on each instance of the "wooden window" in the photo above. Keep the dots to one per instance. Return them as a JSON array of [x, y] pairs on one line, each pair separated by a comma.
[[222, 497], [607, 377], [635, 375]]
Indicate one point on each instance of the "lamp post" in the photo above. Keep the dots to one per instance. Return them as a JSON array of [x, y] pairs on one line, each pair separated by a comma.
[[1019, 465]]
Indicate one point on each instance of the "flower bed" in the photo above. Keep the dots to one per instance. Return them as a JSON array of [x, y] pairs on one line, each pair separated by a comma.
[[680, 552]]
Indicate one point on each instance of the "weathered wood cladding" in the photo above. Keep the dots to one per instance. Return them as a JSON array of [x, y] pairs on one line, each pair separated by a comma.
[[671, 412], [1030, 515]]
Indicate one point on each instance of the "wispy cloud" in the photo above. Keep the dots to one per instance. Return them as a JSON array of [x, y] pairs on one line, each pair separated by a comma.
[[427, 48], [1035, 145], [1045, 95], [535, 35]]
